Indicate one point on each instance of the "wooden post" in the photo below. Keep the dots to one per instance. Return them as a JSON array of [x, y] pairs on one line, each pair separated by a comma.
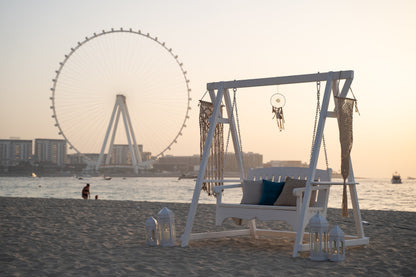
[[351, 179], [201, 174], [312, 166], [355, 205]]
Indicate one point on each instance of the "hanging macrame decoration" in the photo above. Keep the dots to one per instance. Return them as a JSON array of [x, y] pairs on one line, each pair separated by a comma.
[[216, 157], [278, 101], [345, 110]]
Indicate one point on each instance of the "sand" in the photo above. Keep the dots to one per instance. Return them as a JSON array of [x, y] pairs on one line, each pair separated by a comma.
[[68, 237]]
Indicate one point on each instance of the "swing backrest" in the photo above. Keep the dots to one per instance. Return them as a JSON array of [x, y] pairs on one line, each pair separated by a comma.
[[279, 174]]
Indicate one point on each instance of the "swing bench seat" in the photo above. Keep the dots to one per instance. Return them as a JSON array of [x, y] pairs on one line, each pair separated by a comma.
[[289, 214]]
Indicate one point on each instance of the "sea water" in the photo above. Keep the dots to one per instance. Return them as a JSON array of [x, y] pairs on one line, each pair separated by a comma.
[[373, 194]]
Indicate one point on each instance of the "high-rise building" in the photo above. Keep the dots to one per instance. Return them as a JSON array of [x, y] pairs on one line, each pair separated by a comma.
[[120, 154], [189, 163], [292, 163], [14, 151], [251, 160], [50, 150]]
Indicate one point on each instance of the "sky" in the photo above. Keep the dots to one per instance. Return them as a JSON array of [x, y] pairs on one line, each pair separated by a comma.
[[228, 40]]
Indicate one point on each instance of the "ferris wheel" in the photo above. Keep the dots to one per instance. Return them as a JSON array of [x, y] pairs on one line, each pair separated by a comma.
[[105, 73]]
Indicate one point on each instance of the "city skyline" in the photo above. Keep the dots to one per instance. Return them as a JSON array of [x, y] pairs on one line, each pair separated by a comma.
[[49, 157], [236, 40]]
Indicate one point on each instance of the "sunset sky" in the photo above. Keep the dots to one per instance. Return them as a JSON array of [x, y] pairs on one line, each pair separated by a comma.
[[228, 40]]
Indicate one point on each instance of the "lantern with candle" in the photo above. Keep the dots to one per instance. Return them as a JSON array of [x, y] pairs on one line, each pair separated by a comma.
[[318, 226], [166, 220], [336, 244]]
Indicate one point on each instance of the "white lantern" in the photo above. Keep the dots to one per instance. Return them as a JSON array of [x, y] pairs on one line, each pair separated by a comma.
[[318, 226], [336, 244], [166, 221], [152, 232]]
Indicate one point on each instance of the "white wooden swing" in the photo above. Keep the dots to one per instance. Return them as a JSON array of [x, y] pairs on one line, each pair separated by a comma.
[[316, 180]]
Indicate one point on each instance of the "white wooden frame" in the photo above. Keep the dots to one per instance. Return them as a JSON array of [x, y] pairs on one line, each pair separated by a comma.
[[219, 91]]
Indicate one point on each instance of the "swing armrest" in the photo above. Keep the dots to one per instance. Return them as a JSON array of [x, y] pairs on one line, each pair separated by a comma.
[[330, 183], [299, 191], [219, 189], [319, 197]]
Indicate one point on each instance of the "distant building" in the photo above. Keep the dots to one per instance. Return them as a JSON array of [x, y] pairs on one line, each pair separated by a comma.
[[251, 160], [191, 163], [85, 158], [75, 158], [14, 151], [120, 154], [93, 157], [50, 150], [285, 164], [182, 164]]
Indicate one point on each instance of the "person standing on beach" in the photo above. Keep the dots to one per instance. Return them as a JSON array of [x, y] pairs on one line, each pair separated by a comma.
[[86, 192]]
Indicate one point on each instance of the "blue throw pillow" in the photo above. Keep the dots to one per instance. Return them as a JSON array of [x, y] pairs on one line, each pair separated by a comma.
[[270, 192]]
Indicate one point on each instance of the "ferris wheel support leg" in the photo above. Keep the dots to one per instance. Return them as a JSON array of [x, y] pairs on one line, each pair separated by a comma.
[[137, 153], [110, 124], [125, 115], [110, 149]]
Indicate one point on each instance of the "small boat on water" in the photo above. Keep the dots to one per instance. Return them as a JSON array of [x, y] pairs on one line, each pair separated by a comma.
[[396, 179], [107, 178]]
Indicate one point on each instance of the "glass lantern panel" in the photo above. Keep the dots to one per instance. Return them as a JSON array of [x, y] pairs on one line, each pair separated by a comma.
[[334, 250], [165, 232], [173, 231], [315, 242], [341, 248], [311, 242]]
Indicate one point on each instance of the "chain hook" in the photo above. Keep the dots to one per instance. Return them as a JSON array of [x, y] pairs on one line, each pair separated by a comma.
[[234, 88]]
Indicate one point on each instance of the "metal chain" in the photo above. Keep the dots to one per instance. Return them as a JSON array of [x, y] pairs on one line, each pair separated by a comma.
[[318, 93], [238, 120], [228, 141], [317, 113], [234, 106]]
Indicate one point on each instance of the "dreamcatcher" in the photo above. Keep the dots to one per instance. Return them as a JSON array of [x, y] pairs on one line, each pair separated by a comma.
[[278, 101]]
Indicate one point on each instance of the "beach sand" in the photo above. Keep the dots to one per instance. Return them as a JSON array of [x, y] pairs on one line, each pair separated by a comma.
[[68, 237]]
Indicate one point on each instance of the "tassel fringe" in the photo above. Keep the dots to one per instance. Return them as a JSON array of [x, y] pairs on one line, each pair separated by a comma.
[[344, 202]]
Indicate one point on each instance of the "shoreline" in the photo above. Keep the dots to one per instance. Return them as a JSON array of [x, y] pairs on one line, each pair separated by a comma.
[[48, 236]]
